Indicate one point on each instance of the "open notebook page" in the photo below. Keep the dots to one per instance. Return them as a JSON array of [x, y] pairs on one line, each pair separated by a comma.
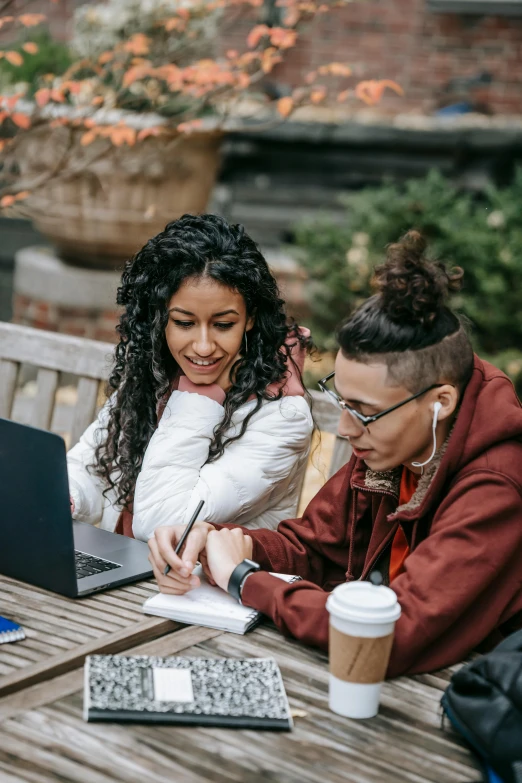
[[206, 605]]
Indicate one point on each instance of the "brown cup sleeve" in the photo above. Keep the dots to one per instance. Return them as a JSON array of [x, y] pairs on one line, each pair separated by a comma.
[[359, 659]]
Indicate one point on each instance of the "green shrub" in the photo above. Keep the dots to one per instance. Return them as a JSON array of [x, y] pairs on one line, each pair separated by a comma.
[[52, 57], [482, 234]]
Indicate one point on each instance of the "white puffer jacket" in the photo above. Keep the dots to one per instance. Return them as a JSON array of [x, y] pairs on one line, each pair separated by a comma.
[[255, 482]]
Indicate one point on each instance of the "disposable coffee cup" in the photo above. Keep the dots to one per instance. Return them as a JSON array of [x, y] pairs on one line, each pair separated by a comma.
[[362, 622]]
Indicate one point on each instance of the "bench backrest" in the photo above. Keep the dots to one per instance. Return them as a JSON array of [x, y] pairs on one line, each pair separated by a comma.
[[90, 360], [52, 354]]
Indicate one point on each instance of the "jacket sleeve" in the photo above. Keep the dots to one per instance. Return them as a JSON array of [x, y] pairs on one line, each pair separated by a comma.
[[175, 474], [455, 589], [459, 581], [85, 488]]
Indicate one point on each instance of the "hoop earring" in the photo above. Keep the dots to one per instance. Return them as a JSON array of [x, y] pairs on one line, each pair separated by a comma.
[[436, 409]]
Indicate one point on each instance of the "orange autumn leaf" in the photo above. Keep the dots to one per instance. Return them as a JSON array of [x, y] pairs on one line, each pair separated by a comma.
[[74, 87], [30, 48], [122, 134], [343, 95], [191, 125], [11, 102], [21, 120], [135, 73], [371, 91], [336, 69], [243, 81], [282, 38], [292, 17], [43, 96], [155, 130], [285, 106], [174, 24], [23, 194], [97, 101], [256, 34], [31, 20], [105, 57], [7, 201], [15, 58], [57, 96], [59, 122], [318, 95], [269, 58], [88, 138], [138, 44]]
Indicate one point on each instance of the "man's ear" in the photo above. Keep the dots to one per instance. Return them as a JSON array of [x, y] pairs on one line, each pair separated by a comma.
[[448, 398]]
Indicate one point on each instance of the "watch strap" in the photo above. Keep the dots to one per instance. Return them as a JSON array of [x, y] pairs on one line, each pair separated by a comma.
[[237, 576]]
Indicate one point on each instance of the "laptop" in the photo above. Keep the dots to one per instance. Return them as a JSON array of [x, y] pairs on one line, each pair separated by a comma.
[[39, 541]]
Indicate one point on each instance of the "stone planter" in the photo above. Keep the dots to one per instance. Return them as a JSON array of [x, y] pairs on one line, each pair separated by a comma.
[[98, 204]]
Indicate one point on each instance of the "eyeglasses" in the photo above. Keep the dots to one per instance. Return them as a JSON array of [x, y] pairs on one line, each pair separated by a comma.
[[361, 418]]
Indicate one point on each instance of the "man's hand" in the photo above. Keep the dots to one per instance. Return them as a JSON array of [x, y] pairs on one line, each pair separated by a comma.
[[179, 580], [224, 551]]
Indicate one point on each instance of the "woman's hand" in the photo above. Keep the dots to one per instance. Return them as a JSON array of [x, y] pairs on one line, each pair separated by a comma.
[[225, 549], [179, 580]]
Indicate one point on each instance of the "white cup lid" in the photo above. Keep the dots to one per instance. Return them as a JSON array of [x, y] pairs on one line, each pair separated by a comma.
[[362, 602]]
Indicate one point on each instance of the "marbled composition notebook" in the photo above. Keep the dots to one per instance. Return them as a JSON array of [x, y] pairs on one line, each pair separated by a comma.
[[227, 692]]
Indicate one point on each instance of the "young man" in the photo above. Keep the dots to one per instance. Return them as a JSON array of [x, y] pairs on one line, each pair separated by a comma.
[[432, 496]]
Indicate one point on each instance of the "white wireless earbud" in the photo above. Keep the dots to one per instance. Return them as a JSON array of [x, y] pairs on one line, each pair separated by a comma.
[[436, 410]]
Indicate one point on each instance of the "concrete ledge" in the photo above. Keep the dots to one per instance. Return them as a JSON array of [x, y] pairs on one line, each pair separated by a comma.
[[40, 274]]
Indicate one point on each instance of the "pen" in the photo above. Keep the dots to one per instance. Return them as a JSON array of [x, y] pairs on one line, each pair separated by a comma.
[[185, 533]]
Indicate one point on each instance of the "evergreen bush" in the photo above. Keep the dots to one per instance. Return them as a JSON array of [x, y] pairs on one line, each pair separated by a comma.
[[482, 234]]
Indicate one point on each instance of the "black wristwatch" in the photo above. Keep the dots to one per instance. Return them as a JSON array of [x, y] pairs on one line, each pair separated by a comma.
[[238, 575]]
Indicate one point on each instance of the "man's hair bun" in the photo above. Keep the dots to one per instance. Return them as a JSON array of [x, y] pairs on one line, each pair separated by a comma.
[[411, 287]]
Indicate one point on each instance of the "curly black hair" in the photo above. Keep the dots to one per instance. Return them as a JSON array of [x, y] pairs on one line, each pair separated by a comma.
[[190, 247]]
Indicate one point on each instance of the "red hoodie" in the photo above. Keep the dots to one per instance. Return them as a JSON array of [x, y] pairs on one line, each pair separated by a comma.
[[463, 579]]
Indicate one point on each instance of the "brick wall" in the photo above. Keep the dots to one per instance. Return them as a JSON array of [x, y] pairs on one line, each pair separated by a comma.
[[403, 41], [78, 321]]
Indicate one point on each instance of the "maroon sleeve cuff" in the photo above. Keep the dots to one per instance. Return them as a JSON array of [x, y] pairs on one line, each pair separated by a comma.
[[211, 390], [259, 591]]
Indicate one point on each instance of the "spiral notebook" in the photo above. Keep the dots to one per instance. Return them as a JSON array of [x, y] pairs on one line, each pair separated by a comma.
[[207, 605], [226, 692]]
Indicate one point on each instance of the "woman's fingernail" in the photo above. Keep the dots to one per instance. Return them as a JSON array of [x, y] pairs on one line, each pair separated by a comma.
[[184, 572], [193, 580]]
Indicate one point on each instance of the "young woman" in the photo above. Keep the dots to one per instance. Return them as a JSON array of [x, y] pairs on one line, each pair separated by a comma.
[[207, 401], [432, 497]]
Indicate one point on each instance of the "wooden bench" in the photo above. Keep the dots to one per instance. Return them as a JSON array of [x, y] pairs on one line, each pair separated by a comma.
[[91, 360]]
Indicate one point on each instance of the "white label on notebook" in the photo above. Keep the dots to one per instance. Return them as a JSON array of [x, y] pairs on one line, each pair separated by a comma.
[[172, 685]]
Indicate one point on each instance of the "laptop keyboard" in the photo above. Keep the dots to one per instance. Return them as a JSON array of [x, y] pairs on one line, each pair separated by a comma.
[[88, 565]]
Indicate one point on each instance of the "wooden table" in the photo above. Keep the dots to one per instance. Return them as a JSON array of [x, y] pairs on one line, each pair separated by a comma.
[[61, 631], [44, 738]]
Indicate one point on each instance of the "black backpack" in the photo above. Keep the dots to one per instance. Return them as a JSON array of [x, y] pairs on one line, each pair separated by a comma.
[[484, 704]]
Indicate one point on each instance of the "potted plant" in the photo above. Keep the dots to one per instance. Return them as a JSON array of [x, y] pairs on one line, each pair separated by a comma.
[[102, 156]]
